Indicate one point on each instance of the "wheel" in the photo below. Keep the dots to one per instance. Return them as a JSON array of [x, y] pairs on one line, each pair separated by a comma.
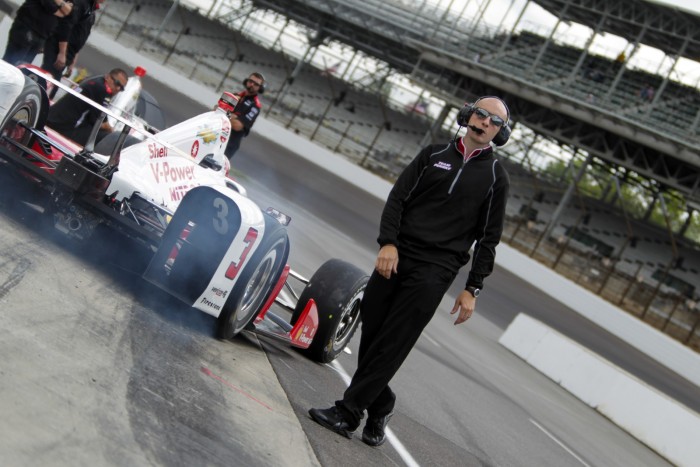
[[257, 281], [337, 288], [27, 109]]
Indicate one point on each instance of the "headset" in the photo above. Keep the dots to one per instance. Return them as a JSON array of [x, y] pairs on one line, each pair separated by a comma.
[[261, 89], [466, 112]]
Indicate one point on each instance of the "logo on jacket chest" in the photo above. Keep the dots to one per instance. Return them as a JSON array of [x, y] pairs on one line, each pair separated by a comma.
[[443, 165]]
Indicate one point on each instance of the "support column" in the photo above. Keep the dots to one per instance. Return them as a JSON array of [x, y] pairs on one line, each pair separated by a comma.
[[544, 47], [506, 41], [582, 58], [623, 66], [664, 83], [439, 121], [567, 196]]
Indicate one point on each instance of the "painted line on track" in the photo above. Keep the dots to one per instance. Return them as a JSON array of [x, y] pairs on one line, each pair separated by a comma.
[[563, 446], [390, 436]]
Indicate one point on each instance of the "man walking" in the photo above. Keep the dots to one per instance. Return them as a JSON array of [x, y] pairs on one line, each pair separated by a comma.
[[449, 197]]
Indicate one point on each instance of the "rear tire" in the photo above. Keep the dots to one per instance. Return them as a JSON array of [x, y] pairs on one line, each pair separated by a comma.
[[337, 288], [256, 283]]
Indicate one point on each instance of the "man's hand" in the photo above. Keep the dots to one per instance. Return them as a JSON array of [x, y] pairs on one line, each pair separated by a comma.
[[60, 62], [387, 261], [465, 304], [64, 9], [236, 125]]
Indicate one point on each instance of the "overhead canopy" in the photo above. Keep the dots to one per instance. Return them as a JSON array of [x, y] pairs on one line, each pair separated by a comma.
[[673, 30]]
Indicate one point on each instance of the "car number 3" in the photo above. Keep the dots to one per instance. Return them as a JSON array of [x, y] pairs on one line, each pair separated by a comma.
[[235, 267], [220, 222]]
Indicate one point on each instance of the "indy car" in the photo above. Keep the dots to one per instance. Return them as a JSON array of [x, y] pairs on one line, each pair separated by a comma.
[[205, 242]]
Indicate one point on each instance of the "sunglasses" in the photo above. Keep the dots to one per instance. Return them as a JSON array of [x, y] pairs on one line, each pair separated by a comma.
[[254, 82], [484, 114], [118, 84]]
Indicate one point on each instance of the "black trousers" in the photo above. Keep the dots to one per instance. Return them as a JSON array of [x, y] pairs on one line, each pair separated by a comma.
[[23, 44], [394, 313], [233, 144], [50, 54]]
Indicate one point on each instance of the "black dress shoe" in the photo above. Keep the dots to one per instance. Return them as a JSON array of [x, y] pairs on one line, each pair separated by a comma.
[[333, 420], [374, 433]]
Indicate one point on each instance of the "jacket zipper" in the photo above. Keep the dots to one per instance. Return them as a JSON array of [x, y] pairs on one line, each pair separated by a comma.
[[459, 172]]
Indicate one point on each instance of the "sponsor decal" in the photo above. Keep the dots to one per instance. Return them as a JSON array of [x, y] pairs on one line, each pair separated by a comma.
[[164, 173], [156, 151], [223, 139], [179, 192], [307, 336], [443, 165], [211, 305], [219, 293], [195, 148], [208, 135], [226, 128]]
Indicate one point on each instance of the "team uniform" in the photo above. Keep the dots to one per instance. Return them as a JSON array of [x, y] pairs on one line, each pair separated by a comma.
[[470, 192], [34, 22], [74, 30], [74, 118], [247, 110]]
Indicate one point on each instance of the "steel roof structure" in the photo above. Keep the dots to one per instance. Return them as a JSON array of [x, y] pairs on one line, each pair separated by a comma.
[[438, 52], [671, 30]]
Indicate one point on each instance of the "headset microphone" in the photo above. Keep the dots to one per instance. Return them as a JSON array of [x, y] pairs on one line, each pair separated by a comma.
[[476, 129]]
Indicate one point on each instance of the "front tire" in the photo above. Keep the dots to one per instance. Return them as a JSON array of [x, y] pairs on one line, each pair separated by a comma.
[[256, 283], [337, 287]]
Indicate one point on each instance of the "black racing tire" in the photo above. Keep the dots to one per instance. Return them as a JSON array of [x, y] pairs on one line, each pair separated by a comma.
[[106, 144], [337, 287], [257, 281], [30, 108]]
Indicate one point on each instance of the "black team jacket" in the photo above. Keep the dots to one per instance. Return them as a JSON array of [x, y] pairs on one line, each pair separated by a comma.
[[442, 203]]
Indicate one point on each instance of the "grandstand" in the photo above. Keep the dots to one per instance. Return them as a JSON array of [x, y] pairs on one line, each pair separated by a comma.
[[585, 106]]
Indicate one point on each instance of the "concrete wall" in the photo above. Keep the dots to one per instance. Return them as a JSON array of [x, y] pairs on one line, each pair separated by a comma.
[[666, 426]]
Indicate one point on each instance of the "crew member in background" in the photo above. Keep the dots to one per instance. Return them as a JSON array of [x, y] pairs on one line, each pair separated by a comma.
[[74, 118], [449, 197], [245, 113], [34, 22], [62, 46]]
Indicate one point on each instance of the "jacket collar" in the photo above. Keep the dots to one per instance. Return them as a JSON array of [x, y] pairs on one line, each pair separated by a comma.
[[459, 145]]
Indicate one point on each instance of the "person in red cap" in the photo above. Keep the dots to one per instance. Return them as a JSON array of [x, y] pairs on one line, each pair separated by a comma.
[[245, 112]]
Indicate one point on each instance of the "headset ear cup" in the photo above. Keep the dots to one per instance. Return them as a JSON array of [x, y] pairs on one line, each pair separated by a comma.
[[245, 82], [464, 115], [261, 89], [502, 136]]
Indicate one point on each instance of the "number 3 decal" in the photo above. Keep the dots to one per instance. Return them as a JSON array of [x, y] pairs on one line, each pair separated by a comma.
[[220, 222], [235, 267]]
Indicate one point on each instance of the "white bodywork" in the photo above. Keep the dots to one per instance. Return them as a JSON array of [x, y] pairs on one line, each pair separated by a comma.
[[11, 85], [163, 169], [214, 296]]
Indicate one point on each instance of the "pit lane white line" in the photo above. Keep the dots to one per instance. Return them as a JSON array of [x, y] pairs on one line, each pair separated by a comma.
[[390, 436], [563, 446]]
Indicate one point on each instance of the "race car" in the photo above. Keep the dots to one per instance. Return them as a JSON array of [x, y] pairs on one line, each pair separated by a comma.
[[205, 242]]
